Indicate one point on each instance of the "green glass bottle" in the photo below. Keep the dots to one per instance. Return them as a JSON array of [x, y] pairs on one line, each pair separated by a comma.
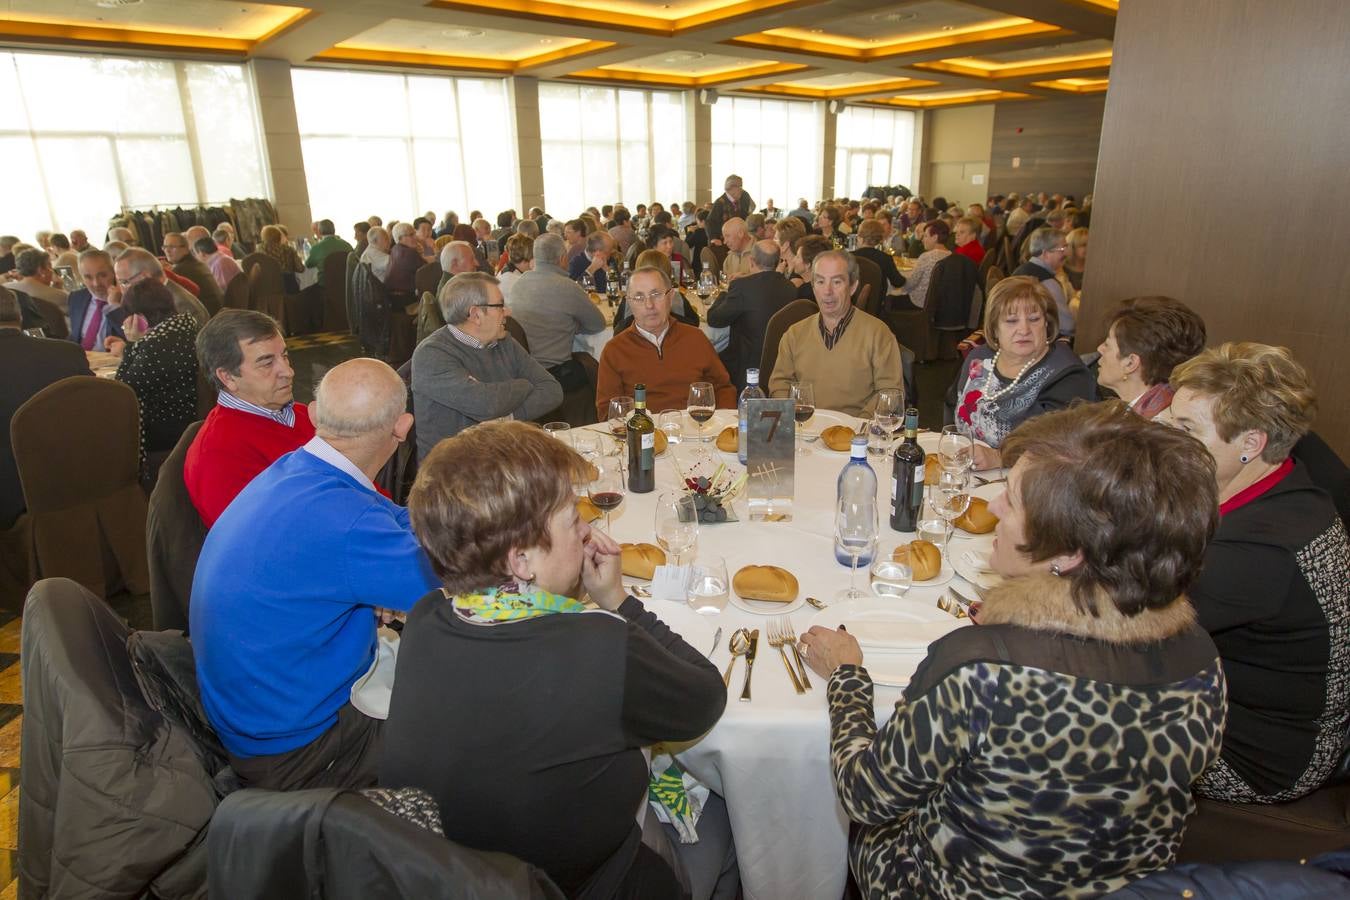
[[641, 434]]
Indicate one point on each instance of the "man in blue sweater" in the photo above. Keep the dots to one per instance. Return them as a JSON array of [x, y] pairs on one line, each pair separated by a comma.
[[284, 601]]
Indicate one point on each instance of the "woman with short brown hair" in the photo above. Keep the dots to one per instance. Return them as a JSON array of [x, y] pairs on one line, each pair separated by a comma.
[[1146, 338], [537, 751], [1050, 751], [1275, 589]]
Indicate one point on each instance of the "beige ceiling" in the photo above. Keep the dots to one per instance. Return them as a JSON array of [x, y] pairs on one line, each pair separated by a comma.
[[919, 53]]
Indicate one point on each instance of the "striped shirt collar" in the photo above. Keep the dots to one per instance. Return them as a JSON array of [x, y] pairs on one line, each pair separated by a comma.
[[832, 337], [325, 451], [469, 340], [284, 416]]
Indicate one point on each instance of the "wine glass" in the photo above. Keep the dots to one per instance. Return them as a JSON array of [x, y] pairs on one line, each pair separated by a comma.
[[951, 500], [956, 451], [676, 523], [671, 421], [587, 283], [559, 430], [803, 394], [708, 587], [706, 285], [606, 490], [620, 408], [887, 419], [855, 539], [701, 405]]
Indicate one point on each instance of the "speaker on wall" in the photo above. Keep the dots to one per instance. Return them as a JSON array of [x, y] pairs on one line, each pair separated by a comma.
[[835, 107], [707, 96]]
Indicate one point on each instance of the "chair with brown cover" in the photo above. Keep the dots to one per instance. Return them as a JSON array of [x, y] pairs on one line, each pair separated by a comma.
[[871, 279], [953, 305], [992, 276], [266, 290], [1233, 832], [778, 324], [427, 278], [174, 534], [237, 293], [516, 331], [712, 257], [335, 291], [429, 318], [77, 447]]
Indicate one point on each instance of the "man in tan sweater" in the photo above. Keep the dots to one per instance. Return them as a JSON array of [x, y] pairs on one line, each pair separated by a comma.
[[845, 353], [664, 353]]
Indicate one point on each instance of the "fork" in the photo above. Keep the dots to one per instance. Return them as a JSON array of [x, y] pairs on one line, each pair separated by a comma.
[[777, 638], [981, 481], [796, 654]]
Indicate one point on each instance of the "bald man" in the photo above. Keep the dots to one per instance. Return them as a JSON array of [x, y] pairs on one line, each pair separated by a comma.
[[282, 629], [738, 239]]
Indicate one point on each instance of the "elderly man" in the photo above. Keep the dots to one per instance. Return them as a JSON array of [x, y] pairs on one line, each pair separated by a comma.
[[79, 241], [665, 354], [96, 312], [597, 259], [759, 227], [405, 258], [255, 419], [122, 235], [457, 257], [746, 307], [179, 254], [553, 310], [328, 243], [224, 238], [134, 264], [737, 239], [845, 353], [1048, 252], [734, 203], [469, 372], [222, 266], [280, 640], [376, 254], [483, 249], [35, 280]]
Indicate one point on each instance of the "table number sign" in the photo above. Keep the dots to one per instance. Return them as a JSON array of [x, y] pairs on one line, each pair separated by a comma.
[[771, 458]]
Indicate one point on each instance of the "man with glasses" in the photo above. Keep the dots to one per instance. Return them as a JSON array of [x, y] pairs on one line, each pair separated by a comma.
[[664, 353], [1048, 252], [471, 370], [179, 255], [135, 264]]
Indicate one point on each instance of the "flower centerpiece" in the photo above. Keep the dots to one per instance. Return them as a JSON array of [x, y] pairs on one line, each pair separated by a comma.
[[713, 484]]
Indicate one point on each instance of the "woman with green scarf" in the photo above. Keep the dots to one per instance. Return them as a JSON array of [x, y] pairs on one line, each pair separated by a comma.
[[519, 708]]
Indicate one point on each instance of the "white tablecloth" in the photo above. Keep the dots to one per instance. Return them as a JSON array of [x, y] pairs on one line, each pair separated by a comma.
[[770, 757], [595, 343]]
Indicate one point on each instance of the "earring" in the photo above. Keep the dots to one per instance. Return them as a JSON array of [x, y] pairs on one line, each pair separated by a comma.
[[1244, 458], [1054, 569]]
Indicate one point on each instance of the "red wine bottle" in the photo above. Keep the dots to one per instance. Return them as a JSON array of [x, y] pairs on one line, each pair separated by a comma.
[[907, 476]]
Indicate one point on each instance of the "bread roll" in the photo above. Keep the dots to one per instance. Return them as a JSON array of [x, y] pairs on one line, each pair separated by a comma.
[[923, 558], [765, 583], [977, 519], [641, 560], [727, 440], [932, 470], [838, 437], [588, 511], [660, 442]]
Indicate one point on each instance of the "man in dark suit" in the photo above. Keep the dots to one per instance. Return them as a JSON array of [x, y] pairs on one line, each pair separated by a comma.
[[27, 365], [746, 306], [96, 311]]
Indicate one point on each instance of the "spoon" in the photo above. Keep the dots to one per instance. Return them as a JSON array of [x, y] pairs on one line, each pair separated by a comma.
[[738, 644]]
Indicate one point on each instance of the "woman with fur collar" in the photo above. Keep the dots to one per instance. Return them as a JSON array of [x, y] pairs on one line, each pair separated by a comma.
[[1049, 751]]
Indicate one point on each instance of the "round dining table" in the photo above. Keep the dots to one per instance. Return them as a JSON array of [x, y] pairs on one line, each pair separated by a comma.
[[770, 757]]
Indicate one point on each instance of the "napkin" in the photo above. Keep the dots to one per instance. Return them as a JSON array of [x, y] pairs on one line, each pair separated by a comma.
[[904, 637], [676, 797]]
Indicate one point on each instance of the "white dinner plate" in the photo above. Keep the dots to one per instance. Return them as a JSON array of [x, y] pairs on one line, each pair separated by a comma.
[[969, 566], [894, 634], [767, 607]]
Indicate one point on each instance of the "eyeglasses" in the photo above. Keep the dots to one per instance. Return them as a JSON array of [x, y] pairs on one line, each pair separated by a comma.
[[648, 299], [128, 282], [490, 305]]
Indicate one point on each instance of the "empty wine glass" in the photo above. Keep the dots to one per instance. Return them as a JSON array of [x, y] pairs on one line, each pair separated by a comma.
[[855, 540], [606, 489], [956, 451], [620, 408], [708, 586], [701, 405], [803, 394], [671, 421], [676, 524], [587, 282], [560, 431], [951, 499]]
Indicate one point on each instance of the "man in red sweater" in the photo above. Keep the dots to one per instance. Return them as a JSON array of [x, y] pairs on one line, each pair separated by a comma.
[[968, 239], [663, 352], [255, 420]]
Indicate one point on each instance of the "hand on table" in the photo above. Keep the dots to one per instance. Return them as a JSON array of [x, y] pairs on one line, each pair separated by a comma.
[[987, 458], [827, 650], [602, 570], [114, 345]]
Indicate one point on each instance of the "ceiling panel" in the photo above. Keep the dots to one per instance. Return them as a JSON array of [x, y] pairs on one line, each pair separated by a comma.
[[688, 63], [906, 22], [410, 36], [841, 80], [1049, 54], [247, 21]]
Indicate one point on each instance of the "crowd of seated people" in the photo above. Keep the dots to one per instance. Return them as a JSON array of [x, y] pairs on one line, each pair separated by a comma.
[[1177, 573]]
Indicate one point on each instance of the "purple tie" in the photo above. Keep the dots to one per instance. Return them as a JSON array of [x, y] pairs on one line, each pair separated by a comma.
[[95, 322]]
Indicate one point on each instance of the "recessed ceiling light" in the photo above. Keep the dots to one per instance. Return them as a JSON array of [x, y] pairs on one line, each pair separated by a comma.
[[947, 27], [817, 30], [456, 33], [895, 17], [683, 56], [546, 40], [117, 4]]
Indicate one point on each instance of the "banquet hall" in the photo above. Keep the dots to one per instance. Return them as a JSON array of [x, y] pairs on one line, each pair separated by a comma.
[[560, 352]]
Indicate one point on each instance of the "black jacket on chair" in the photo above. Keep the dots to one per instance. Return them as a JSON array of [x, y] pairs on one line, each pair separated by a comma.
[[746, 307]]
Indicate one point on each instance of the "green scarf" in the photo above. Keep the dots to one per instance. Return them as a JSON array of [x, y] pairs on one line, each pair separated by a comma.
[[509, 603]]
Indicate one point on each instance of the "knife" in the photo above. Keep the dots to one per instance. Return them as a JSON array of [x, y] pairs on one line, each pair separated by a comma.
[[717, 639], [750, 664]]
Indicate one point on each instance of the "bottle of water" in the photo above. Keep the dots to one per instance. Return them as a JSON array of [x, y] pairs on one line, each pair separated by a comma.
[[857, 482], [742, 416]]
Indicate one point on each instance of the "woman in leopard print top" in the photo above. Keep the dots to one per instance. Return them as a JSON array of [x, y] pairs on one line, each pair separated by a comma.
[[1049, 752]]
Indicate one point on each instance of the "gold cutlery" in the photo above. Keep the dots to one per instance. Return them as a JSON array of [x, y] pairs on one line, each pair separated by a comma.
[[739, 643], [792, 642], [777, 639], [750, 664]]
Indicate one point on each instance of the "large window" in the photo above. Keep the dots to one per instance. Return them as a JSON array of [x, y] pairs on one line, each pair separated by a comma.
[[873, 147], [85, 136], [401, 145], [772, 144], [605, 145]]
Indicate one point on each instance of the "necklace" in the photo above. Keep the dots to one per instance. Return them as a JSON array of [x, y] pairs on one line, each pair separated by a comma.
[[993, 370]]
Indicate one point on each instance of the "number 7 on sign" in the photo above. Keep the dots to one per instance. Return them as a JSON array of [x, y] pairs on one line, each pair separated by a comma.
[[777, 417]]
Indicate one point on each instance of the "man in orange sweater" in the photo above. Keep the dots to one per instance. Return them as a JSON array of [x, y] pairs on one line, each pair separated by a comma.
[[666, 354], [256, 419]]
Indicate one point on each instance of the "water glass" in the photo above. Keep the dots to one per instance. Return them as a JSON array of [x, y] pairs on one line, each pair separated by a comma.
[[881, 432], [671, 421], [587, 283], [676, 524], [956, 451], [559, 430], [933, 528], [891, 579], [709, 585], [951, 498]]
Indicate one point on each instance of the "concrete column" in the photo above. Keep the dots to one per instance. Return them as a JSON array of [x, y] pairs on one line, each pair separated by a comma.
[[281, 141], [827, 161], [700, 149], [529, 144]]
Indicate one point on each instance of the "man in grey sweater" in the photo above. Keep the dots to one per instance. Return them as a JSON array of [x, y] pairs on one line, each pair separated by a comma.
[[551, 307], [471, 371]]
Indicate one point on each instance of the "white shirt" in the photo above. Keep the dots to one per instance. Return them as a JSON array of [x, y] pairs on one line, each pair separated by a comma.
[[656, 339], [378, 261], [325, 451]]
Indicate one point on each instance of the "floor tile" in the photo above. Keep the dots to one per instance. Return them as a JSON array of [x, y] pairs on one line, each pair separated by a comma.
[[11, 685], [9, 636], [11, 892], [9, 743], [9, 821]]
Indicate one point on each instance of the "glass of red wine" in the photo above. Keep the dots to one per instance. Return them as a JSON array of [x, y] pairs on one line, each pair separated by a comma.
[[803, 395], [606, 490], [701, 405]]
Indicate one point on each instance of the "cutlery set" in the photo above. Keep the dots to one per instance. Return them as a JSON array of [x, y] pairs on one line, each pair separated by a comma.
[[745, 642]]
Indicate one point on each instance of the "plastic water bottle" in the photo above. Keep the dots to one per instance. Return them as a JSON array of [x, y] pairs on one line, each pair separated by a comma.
[[742, 414], [857, 482]]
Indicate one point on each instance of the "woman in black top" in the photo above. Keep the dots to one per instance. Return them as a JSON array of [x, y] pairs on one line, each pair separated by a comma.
[[521, 710], [870, 234], [161, 367], [1275, 588]]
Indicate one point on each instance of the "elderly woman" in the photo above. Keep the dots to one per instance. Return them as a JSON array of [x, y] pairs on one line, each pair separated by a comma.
[[1145, 339], [519, 260], [276, 247], [1021, 372], [828, 221], [161, 367], [376, 254], [1049, 752], [1274, 588], [540, 754], [1076, 260]]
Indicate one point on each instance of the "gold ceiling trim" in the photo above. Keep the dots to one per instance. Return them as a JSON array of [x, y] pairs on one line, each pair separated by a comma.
[[1087, 85], [1027, 69], [823, 46], [635, 76], [497, 65], [920, 103], [138, 38], [792, 90], [565, 14]]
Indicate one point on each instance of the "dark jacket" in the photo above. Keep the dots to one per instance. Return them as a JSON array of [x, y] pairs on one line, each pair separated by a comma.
[[885, 262], [208, 291], [951, 293], [76, 305], [27, 365], [723, 209], [1319, 879], [746, 307]]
